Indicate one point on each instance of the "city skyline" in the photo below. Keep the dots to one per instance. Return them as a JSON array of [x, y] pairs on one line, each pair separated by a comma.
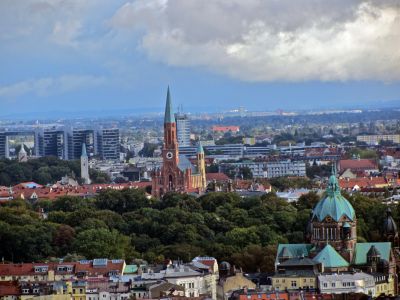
[[79, 56]]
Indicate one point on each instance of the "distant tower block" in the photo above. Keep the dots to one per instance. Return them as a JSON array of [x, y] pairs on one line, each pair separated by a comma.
[[22, 155], [85, 165]]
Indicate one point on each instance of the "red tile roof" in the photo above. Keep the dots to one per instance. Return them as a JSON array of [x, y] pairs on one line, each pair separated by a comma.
[[225, 128], [80, 191], [9, 288], [217, 177], [365, 182], [357, 164]]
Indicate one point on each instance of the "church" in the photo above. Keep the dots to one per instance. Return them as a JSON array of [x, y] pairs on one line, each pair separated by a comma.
[[177, 173], [332, 258]]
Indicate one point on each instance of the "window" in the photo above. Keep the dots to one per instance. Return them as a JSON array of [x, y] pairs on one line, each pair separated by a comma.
[[304, 280], [294, 284], [333, 284], [325, 284]]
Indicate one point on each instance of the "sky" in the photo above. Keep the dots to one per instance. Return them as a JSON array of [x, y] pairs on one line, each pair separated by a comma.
[[100, 56]]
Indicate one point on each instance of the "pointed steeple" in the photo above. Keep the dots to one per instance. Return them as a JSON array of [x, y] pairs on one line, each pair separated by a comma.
[[169, 116], [84, 150], [200, 148]]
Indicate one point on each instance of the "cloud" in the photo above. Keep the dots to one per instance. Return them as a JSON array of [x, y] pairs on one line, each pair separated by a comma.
[[50, 86], [274, 40]]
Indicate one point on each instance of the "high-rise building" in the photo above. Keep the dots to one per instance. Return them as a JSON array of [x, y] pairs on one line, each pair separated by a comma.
[[108, 143], [51, 142], [83, 136], [66, 142], [3, 141], [183, 129]]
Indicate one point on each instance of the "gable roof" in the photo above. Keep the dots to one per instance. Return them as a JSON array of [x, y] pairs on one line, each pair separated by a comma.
[[357, 164], [295, 250], [330, 258], [362, 249]]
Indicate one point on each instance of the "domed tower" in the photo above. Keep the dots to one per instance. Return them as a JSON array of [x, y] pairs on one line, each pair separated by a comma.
[[390, 229], [334, 222]]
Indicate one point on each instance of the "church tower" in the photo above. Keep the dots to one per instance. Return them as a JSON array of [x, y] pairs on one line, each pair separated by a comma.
[[334, 222], [22, 155], [85, 165], [170, 150], [201, 166]]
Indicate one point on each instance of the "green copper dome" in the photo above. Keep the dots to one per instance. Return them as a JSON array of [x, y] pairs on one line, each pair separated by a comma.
[[334, 204]]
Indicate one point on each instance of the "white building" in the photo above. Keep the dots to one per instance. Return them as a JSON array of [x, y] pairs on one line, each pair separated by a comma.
[[285, 168], [347, 283]]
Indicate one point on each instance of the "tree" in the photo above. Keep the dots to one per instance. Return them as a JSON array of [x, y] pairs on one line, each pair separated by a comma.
[[98, 243]]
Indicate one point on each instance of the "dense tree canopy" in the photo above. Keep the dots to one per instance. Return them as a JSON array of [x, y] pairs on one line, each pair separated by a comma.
[[125, 224], [44, 170]]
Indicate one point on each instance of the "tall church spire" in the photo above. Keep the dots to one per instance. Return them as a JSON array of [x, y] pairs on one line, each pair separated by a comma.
[[169, 116], [85, 165]]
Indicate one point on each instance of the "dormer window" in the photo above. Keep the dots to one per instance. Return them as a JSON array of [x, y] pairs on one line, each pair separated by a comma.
[[41, 269]]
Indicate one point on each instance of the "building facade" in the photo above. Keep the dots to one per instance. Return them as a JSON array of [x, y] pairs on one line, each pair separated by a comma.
[[183, 129]]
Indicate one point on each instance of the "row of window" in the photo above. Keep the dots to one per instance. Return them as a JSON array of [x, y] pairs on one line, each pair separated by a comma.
[[304, 280], [344, 284]]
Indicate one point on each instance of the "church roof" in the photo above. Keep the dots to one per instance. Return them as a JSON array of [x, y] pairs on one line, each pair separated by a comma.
[[334, 204], [330, 258], [295, 250], [363, 248], [185, 164], [169, 116]]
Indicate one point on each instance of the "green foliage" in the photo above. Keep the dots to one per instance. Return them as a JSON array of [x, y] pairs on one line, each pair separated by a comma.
[[363, 153], [148, 150], [125, 224], [43, 170], [285, 183]]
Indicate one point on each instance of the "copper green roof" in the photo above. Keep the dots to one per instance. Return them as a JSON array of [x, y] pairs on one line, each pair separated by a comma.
[[334, 204], [200, 148], [169, 116], [330, 258], [363, 248], [130, 269], [294, 250]]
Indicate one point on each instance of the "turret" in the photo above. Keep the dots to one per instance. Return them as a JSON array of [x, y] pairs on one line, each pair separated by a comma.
[[201, 165], [390, 228]]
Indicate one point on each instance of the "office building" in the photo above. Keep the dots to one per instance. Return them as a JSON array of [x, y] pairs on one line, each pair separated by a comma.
[[285, 168], [108, 143], [183, 129]]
